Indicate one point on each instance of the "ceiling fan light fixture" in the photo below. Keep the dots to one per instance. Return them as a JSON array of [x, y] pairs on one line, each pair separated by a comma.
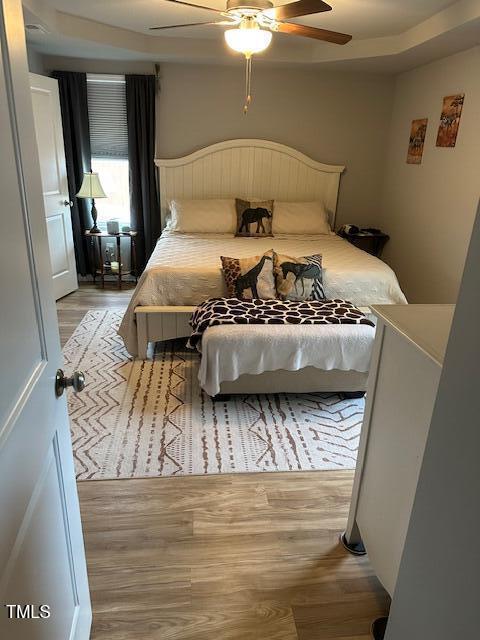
[[251, 24], [248, 38]]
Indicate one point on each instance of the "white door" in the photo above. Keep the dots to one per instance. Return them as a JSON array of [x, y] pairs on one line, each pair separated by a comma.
[[49, 134], [42, 559]]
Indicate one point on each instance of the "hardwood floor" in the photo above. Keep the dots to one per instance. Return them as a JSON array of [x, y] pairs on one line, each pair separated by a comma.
[[232, 557], [72, 308], [244, 557]]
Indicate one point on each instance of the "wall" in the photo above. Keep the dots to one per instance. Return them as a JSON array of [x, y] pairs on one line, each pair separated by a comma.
[[334, 117], [35, 62], [90, 65], [429, 209]]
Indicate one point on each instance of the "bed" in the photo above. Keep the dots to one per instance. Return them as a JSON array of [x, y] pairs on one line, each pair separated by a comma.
[[184, 269]]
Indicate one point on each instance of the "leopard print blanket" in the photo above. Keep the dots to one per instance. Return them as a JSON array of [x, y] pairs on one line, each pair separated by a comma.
[[219, 311]]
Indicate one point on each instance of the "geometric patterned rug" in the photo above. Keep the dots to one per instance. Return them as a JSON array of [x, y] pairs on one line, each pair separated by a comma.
[[139, 419]]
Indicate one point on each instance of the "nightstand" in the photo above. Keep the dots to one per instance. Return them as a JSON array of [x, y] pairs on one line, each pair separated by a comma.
[[370, 242], [114, 268]]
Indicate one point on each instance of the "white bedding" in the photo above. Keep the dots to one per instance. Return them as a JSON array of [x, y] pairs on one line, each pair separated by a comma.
[[230, 351], [185, 269]]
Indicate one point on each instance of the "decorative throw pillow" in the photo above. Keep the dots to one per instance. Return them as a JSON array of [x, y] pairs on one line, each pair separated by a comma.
[[254, 218], [203, 216], [249, 278], [299, 278], [296, 218]]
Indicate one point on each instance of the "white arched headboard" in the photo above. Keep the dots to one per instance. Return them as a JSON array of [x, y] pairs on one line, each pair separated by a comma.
[[248, 168]]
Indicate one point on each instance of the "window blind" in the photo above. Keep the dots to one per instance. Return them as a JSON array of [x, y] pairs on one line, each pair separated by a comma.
[[107, 112]]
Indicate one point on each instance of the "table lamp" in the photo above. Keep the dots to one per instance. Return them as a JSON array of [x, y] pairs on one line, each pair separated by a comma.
[[91, 188]]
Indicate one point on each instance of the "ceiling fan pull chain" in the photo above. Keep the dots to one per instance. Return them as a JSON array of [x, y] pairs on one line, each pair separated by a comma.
[[248, 84], [250, 26]]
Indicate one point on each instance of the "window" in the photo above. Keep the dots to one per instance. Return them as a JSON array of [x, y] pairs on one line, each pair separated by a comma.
[[114, 179], [107, 112]]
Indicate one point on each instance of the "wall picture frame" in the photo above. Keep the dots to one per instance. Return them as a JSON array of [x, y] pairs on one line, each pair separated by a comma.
[[450, 120], [416, 142]]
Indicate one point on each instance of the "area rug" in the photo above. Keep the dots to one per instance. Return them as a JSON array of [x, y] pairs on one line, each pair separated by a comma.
[[143, 419]]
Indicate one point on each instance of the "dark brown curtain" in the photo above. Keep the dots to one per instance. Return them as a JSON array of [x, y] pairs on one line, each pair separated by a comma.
[[145, 210], [76, 134]]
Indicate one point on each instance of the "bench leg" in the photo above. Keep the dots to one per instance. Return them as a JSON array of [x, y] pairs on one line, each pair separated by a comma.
[[351, 395], [222, 397]]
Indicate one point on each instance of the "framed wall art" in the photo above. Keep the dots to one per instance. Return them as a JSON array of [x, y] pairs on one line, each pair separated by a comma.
[[416, 143], [450, 120]]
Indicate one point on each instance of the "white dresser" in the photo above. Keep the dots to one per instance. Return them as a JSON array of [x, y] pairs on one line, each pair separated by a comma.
[[406, 364]]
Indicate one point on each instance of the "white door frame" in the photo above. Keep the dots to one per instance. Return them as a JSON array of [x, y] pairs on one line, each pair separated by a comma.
[[42, 558]]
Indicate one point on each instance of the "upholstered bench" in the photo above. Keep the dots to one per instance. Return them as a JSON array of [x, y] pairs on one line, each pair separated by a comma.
[[285, 358]]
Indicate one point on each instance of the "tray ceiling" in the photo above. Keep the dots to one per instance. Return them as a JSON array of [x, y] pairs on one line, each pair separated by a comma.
[[388, 35]]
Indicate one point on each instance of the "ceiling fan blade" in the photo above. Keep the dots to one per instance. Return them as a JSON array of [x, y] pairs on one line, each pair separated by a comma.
[[196, 6], [190, 24], [313, 32], [297, 9]]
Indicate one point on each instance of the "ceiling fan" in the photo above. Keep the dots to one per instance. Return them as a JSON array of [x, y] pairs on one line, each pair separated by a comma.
[[253, 21]]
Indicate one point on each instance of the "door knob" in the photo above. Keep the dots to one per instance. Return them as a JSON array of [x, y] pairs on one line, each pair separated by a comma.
[[68, 203], [77, 382]]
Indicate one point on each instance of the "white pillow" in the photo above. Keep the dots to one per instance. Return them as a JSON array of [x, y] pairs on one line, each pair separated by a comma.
[[203, 216], [300, 218]]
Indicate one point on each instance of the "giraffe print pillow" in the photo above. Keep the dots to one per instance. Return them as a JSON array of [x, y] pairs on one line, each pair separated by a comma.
[[250, 278], [299, 278], [254, 219]]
